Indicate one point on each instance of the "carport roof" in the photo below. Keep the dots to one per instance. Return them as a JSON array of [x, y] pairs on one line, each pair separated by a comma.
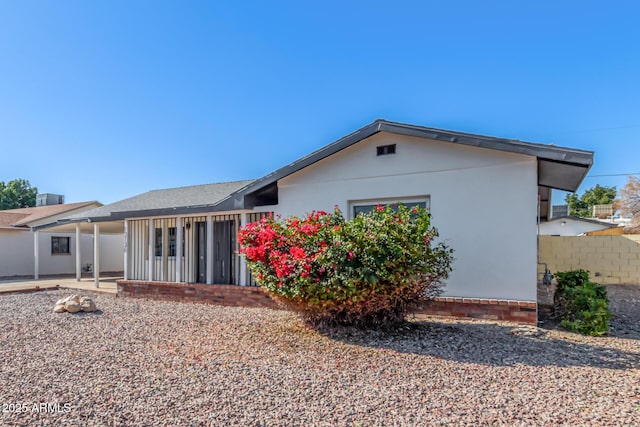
[[26, 217]]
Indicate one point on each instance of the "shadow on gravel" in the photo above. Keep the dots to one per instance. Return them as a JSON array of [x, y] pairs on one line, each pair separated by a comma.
[[81, 314], [489, 344]]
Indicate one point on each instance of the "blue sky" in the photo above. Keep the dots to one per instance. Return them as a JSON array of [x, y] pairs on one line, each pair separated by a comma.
[[108, 99]]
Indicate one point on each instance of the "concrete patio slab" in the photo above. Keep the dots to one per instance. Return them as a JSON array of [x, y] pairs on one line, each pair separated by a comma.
[[106, 284]]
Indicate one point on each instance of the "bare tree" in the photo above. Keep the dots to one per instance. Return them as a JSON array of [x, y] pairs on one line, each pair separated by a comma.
[[628, 202]]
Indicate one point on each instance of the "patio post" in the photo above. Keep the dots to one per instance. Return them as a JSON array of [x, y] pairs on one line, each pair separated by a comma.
[[179, 238], [165, 251], [243, 261], [78, 257], [96, 255], [36, 255], [152, 248], [126, 249], [209, 250]]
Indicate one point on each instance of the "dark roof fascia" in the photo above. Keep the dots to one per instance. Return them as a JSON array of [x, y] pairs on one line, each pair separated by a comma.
[[218, 207], [60, 222], [542, 151], [227, 204], [562, 155], [312, 158]]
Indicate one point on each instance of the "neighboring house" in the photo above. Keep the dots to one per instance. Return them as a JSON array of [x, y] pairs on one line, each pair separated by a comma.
[[573, 226], [24, 252], [558, 211], [486, 195]]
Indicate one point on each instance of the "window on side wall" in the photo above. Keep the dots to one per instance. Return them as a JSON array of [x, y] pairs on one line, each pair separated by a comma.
[[60, 245], [172, 241], [364, 206], [171, 231], [158, 242]]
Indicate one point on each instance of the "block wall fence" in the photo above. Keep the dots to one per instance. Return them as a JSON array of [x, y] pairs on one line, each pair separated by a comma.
[[609, 259]]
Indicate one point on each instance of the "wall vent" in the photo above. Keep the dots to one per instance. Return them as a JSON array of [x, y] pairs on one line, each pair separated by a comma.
[[384, 150]]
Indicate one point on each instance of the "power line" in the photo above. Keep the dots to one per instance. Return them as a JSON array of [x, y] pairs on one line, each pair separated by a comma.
[[612, 174]]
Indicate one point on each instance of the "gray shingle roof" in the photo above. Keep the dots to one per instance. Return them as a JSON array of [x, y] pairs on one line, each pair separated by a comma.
[[166, 199]]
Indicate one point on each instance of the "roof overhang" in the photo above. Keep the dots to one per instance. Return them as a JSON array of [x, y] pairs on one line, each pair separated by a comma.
[[560, 168], [107, 226], [12, 228], [565, 176]]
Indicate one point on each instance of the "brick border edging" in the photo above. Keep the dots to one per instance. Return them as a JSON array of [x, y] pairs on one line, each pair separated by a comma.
[[480, 308], [228, 295], [249, 296]]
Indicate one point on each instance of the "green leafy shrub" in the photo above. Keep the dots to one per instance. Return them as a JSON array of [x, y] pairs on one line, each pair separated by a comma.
[[581, 305], [366, 271]]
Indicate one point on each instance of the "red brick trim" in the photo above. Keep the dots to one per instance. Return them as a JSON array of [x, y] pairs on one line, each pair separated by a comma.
[[249, 296], [477, 308], [230, 295]]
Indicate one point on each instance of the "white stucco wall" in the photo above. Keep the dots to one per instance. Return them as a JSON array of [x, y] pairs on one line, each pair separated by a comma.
[[111, 252], [484, 204], [17, 255], [569, 228]]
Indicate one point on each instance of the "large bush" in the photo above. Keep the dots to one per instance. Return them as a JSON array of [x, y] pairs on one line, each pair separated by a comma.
[[581, 305], [366, 271]]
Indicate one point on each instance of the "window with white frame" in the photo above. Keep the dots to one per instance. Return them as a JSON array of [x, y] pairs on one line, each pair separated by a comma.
[[171, 231], [172, 242], [60, 245], [364, 206], [158, 242]]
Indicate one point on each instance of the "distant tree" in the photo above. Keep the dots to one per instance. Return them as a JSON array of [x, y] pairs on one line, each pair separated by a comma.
[[583, 206], [17, 193], [628, 201]]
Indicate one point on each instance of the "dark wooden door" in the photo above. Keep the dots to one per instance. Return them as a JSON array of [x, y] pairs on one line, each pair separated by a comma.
[[222, 252]]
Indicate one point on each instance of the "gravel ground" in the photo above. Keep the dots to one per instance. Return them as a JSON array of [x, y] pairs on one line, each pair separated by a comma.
[[144, 363]]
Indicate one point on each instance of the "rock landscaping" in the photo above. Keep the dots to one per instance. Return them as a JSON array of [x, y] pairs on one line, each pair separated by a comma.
[[75, 304], [164, 363]]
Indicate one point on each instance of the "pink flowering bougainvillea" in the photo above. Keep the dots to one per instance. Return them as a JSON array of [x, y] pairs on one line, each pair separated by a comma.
[[365, 271]]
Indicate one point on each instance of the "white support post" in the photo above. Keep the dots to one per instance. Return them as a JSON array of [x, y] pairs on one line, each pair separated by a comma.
[[78, 253], [243, 261], [165, 251], [152, 249], [209, 250], [126, 249], [36, 255], [96, 255], [179, 238]]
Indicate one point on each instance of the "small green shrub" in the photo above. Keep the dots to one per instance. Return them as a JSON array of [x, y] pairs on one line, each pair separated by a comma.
[[365, 272], [581, 305]]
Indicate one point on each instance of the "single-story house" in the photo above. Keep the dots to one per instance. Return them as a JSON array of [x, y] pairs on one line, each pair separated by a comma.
[[573, 226], [486, 194], [54, 253]]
